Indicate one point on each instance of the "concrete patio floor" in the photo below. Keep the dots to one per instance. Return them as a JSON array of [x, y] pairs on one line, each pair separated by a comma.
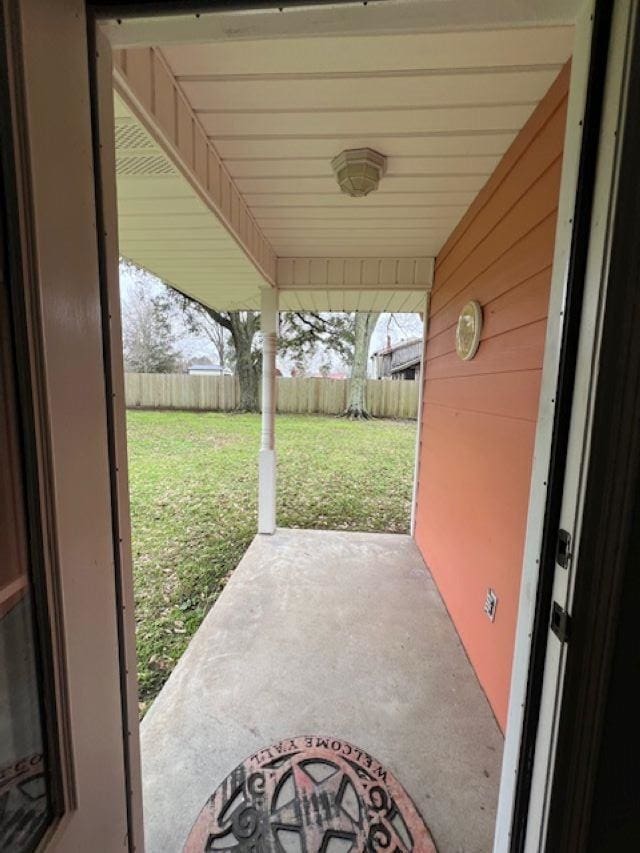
[[331, 633]]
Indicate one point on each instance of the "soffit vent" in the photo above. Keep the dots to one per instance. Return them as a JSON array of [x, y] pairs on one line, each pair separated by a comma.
[[144, 164], [130, 135], [136, 152]]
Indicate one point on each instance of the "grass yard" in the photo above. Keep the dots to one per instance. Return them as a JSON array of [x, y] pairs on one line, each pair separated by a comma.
[[193, 480]]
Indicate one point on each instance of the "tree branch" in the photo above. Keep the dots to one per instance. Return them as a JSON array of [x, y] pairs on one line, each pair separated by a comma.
[[220, 318]]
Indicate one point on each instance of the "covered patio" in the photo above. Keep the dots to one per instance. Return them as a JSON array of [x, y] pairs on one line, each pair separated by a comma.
[[224, 152], [465, 687], [225, 190], [336, 634]]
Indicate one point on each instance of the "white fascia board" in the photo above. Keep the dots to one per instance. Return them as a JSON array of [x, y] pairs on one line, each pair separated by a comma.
[[384, 274]]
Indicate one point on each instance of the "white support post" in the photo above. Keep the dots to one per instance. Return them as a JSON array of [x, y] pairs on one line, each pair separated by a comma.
[[416, 462], [267, 463]]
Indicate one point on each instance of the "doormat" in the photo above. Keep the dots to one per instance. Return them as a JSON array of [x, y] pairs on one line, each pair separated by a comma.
[[310, 795], [23, 803]]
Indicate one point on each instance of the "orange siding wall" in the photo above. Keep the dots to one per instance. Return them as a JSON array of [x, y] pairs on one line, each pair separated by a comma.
[[479, 417]]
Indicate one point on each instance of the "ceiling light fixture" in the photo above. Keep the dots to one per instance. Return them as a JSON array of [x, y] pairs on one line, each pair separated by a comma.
[[358, 170]]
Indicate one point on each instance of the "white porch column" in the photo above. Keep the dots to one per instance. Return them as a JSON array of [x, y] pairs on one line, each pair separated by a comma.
[[416, 462], [267, 463]]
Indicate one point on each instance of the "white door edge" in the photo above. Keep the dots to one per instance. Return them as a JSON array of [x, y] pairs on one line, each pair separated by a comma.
[[586, 370], [581, 415], [544, 428], [416, 461]]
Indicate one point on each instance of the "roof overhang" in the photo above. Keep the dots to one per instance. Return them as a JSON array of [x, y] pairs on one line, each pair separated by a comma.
[[275, 19], [224, 149]]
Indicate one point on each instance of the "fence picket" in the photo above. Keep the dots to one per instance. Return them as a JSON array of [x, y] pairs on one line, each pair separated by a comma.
[[299, 395]]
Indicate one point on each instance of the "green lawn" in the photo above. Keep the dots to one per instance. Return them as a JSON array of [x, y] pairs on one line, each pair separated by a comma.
[[193, 480]]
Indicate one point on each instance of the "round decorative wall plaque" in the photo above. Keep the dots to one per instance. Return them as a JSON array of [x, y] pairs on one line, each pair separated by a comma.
[[468, 330]]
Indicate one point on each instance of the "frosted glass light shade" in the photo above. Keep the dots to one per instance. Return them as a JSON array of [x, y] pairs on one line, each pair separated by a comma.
[[358, 170]]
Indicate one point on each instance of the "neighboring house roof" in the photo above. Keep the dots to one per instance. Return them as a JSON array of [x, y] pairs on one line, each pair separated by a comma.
[[400, 356], [207, 368], [398, 346]]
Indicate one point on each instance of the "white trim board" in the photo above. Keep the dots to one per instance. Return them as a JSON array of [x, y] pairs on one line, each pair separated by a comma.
[[543, 763]]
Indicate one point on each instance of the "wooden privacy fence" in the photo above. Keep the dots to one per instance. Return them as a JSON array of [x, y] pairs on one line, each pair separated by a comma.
[[385, 398]]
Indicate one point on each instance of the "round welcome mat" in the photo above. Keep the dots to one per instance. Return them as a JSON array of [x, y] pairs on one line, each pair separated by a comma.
[[24, 805], [310, 795]]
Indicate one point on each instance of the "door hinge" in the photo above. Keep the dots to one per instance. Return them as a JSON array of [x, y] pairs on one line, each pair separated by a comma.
[[560, 623], [563, 549]]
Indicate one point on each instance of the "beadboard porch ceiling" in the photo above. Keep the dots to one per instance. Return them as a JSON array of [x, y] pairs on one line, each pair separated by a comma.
[[224, 150]]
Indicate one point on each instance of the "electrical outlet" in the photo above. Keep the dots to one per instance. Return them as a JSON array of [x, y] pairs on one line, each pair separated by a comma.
[[490, 605]]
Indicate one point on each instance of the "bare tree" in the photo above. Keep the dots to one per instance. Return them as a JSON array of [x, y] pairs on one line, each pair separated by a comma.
[[241, 328], [219, 337], [148, 340]]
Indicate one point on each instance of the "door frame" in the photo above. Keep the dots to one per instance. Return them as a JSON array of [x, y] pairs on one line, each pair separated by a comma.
[[547, 471], [24, 438], [84, 272], [593, 220], [594, 789], [47, 156], [555, 415], [565, 413], [103, 124]]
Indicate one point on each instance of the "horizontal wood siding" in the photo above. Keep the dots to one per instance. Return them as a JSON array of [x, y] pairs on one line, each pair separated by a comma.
[[479, 417]]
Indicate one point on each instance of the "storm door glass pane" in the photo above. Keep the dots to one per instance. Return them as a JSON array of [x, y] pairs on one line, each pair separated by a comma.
[[25, 793]]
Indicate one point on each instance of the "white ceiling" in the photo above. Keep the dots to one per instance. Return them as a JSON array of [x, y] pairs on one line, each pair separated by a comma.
[[166, 228], [443, 107], [273, 21]]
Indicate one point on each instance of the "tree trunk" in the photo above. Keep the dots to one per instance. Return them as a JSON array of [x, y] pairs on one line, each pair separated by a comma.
[[220, 344], [357, 404], [247, 365]]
